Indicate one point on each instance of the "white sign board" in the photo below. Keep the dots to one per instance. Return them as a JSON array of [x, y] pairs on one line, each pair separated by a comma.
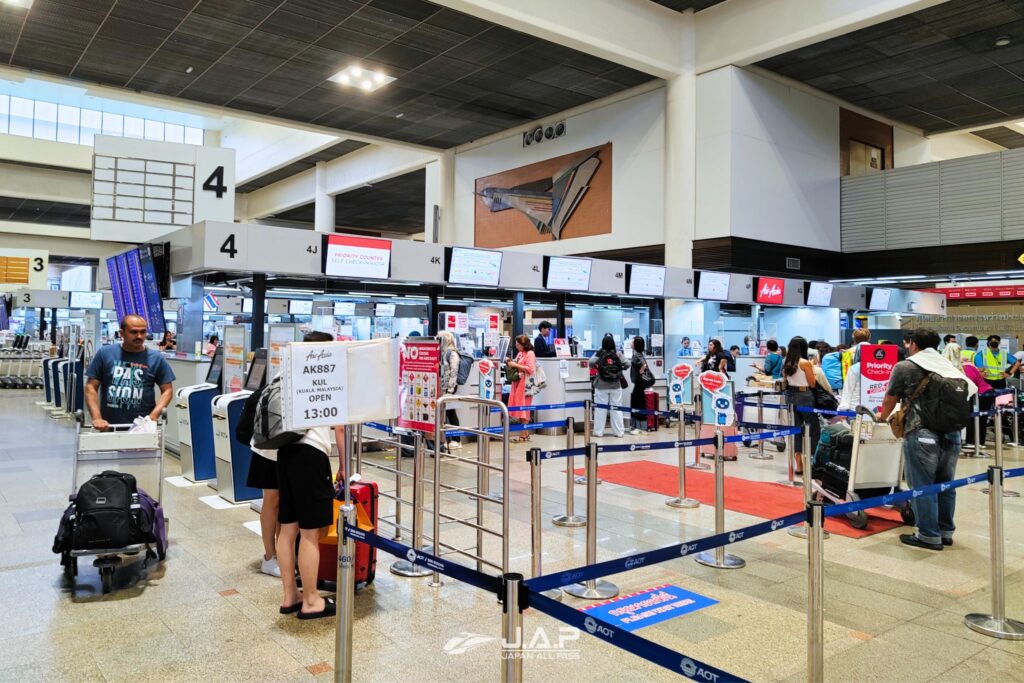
[[315, 385], [23, 268]]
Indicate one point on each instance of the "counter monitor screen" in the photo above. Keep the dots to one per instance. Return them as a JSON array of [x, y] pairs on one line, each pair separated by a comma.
[[257, 370], [880, 299], [246, 305], [713, 286], [357, 257], [474, 267], [300, 307], [384, 311], [647, 280], [569, 274], [344, 308], [216, 366], [819, 294], [92, 301]]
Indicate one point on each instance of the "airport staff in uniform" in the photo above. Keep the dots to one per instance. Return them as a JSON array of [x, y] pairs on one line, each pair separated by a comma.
[[993, 362], [541, 348], [969, 352]]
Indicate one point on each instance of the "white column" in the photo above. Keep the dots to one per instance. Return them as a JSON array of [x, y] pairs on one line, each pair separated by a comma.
[[446, 197], [681, 155], [323, 210]]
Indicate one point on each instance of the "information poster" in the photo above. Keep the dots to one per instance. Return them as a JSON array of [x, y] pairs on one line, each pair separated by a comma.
[[315, 384], [680, 387], [418, 381], [280, 337], [357, 257], [648, 607], [876, 364], [716, 399], [493, 322], [488, 375], [457, 323], [234, 358], [562, 349]]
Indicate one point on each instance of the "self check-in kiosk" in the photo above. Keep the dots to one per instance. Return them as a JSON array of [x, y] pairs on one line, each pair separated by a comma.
[[232, 456], [195, 423]]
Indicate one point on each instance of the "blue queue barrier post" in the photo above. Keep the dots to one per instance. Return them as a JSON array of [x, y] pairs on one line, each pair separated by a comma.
[[815, 594], [593, 589], [511, 628], [999, 456], [681, 501], [588, 427], [719, 559], [570, 519], [800, 531], [996, 624], [536, 541]]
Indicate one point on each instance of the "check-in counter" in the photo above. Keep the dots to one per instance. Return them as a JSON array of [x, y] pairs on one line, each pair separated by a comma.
[[232, 465], [188, 371]]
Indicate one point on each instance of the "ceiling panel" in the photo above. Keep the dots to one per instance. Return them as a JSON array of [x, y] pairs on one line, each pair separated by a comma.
[[938, 69], [274, 56], [34, 211], [1010, 137], [329, 154]]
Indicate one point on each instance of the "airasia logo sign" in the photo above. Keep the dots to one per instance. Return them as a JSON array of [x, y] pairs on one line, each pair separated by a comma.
[[682, 371], [485, 367], [770, 290], [712, 381]]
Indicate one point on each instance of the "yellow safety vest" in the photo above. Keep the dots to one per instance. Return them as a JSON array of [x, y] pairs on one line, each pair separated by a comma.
[[995, 365], [846, 360], [967, 355]]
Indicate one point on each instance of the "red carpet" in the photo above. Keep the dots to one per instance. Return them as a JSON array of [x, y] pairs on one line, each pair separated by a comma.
[[760, 499]]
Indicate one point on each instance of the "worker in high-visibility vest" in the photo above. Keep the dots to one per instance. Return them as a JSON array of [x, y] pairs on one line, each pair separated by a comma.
[[993, 362], [970, 351]]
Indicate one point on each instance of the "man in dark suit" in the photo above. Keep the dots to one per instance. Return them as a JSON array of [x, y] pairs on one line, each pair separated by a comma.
[[541, 348]]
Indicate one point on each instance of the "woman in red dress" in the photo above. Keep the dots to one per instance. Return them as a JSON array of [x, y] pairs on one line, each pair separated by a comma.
[[525, 362]]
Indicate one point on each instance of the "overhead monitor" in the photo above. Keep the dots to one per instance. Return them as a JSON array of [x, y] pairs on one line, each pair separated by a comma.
[[712, 286], [5, 314], [300, 307], [246, 305], [135, 287], [344, 308], [647, 280], [879, 299], [819, 294], [569, 274], [770, 290], [92, 301], [257, 370], [357, 257], [474, 267], [216, 367], [384, 311]]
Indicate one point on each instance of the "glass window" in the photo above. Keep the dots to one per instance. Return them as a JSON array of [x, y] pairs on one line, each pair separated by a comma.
[[154, 130], [193, 136], [67, 124], [134, 127], [46, 121], [113, 124], [174, 133], [5, 112], [92, 125], [21, 116]]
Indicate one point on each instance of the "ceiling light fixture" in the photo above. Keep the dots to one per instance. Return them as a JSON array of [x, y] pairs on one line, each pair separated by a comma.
[[189, 70], [364, 79], [24, 4], [1003, 41]]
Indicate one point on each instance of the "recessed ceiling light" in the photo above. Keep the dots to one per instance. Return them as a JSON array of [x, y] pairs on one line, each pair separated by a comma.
[[1002, 41], [189, 70], [398, 116], [365, 80], [24, 4]]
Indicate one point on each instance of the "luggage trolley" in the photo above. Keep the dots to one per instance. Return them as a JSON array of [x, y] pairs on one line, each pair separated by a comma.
[[137, 453], [876, 469], [772, 410]]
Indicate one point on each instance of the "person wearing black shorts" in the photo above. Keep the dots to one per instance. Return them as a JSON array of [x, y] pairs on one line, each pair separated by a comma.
[[262, 475]]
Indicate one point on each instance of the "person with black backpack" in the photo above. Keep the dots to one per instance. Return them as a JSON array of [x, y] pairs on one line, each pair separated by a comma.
[[642, 379], [608, 386], [450, 362], [935, 400]]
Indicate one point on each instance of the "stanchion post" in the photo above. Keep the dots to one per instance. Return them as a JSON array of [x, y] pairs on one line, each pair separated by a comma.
[[977, 426], [790, 479], [404, 567], [511, 629], [536, 541], [815, 595], [681, 501], [435, 580], [996, 624], [800, 531], [760, 421], [1015, 421], [719, 559], [345, 597], [588, 426], [999, 456], [359, 452], [399, 458], [594, 589], [570, 519]]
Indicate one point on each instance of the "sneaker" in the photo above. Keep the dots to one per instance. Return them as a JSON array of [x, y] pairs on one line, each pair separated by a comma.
[[634, 431], [596, 435], [454, 445], [947, 541], [912, 539], [270, 567]]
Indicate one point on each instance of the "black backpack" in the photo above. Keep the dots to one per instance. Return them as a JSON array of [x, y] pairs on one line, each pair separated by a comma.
[[609, 367], [107, 512], [942, 403], [247, 418]]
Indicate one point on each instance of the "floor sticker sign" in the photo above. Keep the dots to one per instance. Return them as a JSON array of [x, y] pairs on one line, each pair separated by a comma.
[[648, 607]]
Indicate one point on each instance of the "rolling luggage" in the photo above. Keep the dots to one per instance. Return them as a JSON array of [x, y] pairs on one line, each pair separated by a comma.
[[731, 451], [366, 496], [651, 402]]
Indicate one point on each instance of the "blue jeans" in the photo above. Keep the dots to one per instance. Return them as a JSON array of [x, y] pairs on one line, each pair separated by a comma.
[[930, 458], [806, 420]]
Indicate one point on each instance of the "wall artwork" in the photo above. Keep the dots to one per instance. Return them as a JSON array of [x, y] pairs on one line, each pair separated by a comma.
[[560, 198]]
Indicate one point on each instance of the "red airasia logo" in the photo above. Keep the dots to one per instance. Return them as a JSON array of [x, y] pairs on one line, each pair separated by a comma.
[[712, 381], [485, 367], [682, 371], [770, 290]]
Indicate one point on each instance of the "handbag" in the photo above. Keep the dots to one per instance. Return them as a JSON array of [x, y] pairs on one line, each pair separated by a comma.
[[646, 378], [511, 374], [824, 400], [536, 382], [898, 418]]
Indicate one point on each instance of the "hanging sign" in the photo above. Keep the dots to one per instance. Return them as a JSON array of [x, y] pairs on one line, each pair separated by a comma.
[[716, 398], [876, 364], [488, 375], [315, 383], [419, 377], [680, 386]]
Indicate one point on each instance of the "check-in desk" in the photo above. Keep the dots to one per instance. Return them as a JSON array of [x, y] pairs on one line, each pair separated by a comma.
[[188, 371], [193, 406], [232, 457]]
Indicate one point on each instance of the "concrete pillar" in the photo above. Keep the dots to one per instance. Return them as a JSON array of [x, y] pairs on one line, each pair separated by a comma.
[[323, 216], [431, 199], [446, 197], [681, 155]]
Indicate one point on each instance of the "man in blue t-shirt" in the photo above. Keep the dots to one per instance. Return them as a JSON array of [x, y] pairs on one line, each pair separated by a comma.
[[124, 376]]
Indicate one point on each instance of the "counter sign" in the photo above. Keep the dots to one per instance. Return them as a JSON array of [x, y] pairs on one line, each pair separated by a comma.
[[315, 385]]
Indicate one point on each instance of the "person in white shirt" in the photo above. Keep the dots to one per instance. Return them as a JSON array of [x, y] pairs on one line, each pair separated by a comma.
[[952, 351]]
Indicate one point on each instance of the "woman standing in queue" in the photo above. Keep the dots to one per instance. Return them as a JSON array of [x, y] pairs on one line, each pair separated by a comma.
[[524, 365], [798, 372], [450, 380], [608, 384], [637, 400], [716, 359]]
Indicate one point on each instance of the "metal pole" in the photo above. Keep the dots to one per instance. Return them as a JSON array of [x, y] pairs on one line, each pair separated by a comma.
[[1016, 426], [977, 426], [404, 567], [345, 597], [399, 457], [359, 458], [996, 624], [760, 455], [719, 559], [536, 542], [570, 518], [800, 530], [435, 581], [681, 501], [511, 629], [698, 426], [999, 455], [815, 595], [594, 589], [483, 480], [588, 425], [790, 479]]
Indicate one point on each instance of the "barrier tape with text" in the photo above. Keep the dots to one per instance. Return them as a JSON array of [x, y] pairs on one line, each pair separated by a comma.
[[850, 413], [781, 431], [630, 642], [512, 428], [455, 570], [638, 411], [543, 406], [659, 445], [760, 425]]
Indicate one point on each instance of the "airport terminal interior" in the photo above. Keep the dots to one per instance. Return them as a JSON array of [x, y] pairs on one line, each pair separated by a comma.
[[600, 340]]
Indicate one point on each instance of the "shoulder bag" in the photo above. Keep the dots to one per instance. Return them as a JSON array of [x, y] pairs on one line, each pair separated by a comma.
[[898, 418]]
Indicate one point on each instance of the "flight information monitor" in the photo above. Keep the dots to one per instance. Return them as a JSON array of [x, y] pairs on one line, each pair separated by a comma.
[[819, 294], [300, 307], [713, 286], [647, 280], [474, 267], [569, 274], [92, 301], [880, 299]]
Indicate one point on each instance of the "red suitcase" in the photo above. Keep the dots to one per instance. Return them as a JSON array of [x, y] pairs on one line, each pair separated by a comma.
[[651, 402], [367, 495]]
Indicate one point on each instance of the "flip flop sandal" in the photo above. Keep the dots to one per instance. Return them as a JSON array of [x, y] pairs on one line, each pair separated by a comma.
[[291, 609], [329, 610]]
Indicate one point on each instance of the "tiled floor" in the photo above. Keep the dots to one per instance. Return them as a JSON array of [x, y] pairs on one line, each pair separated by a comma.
[[892, 612]]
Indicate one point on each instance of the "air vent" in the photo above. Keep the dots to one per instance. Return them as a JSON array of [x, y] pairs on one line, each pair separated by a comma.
[[792, 263], [543, 133]]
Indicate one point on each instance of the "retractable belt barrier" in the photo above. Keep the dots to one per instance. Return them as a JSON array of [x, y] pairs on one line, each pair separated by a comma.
[[638, 411], [544, 406], [849, 413], [781, 430]]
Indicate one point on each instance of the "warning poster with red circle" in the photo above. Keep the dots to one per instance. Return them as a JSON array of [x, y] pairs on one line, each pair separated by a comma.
[[419, 370]]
